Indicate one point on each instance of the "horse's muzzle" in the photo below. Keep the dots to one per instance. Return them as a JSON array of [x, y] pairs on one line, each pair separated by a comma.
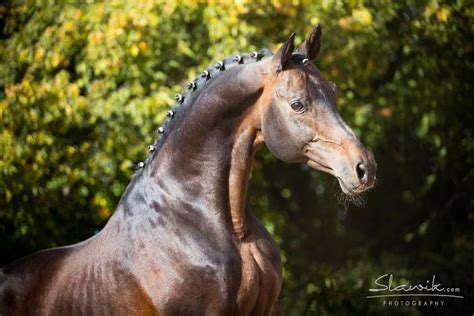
[[348, 161]]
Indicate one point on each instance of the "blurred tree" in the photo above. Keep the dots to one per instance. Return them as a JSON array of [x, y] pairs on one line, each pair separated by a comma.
[[82, 87]]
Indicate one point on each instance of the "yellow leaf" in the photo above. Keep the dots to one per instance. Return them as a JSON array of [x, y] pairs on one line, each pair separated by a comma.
[[143, 46], [104, 213], [345, 23], [134, 50], [362, 16], [39, 54], [442, 14]]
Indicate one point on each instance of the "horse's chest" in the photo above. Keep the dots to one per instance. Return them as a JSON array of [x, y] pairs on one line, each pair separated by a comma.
[[243, 279], [260, 276]]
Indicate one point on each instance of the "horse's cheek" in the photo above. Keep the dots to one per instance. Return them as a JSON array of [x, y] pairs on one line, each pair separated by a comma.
[[279, 136]]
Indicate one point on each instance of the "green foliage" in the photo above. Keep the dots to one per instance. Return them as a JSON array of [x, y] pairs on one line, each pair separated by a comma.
[[83, 86]]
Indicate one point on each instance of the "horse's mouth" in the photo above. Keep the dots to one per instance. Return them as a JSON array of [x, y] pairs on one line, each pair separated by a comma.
[[350, 180], [346, 189], [314, 163], [319, 166]]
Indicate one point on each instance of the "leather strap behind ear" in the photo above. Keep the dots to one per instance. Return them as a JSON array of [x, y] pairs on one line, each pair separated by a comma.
[[312, 45]]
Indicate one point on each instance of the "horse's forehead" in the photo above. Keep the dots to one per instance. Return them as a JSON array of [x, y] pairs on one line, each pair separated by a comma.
[[293, 79], [297, 80]]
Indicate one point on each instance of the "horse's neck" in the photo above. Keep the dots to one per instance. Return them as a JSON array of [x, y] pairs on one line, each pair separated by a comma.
[[205, 162]]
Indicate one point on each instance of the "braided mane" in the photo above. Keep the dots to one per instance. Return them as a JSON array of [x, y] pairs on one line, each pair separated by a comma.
[[186, 98]]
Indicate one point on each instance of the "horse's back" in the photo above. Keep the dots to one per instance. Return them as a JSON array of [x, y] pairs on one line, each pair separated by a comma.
[[24, 283]]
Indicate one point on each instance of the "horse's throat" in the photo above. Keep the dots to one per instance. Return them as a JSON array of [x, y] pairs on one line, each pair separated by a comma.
[[242, 155]]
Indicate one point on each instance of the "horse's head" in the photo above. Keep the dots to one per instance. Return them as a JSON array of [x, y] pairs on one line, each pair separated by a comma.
[[300, 122]]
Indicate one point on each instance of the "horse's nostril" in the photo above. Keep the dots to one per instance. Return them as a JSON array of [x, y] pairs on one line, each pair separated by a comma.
[[361, 172]]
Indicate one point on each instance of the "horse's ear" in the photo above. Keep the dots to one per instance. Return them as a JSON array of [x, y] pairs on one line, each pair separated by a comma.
[[311, 46], [282, 57]]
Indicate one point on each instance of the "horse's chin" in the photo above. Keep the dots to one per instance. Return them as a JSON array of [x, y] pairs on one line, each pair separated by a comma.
[[345, 188], [351, 190]]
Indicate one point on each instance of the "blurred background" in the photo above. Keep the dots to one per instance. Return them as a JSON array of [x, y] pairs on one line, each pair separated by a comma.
[[84, 86]]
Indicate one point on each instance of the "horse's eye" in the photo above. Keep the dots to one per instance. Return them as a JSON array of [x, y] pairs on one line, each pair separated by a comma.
[[297, 106]]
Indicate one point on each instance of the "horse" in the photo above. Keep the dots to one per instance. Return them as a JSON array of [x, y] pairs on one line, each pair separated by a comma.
[[183, 239]]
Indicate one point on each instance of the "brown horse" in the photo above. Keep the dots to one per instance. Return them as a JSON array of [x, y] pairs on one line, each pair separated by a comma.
[[183, 240]]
